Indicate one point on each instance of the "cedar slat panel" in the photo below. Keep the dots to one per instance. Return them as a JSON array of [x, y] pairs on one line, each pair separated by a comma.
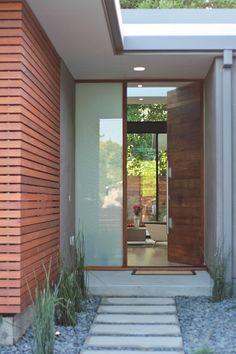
[[10, 301], [40, 104], [39, 60], [29, 77], [53, 145], [39, 182], [10, 41], [15, 160], [11, 6], [39, 241], [52, 245], [28, 205], [10, 240], [29, 155], [32, 109], [10, 266], [27, 172], [13, 75], [10, 15], [9, 161], [34, 27], [38, 227], [41, 128], [9, 309], [41, 38], [10, 23], [13, 214], [28, 221], [39, 75], [38, 189], [28, 237], [10, 248], [34, 118], [29, 84], [9, 275], [37, 152], [10, 292]]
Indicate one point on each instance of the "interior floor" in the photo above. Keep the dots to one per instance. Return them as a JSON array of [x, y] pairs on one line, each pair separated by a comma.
[[143, 255]]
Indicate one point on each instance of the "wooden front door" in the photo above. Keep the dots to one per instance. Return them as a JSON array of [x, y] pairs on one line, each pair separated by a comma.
[[185, 159]]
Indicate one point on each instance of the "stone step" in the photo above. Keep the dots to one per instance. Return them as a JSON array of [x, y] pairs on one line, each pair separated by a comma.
[[152, 309], [166, 342], [124, 351], [123, 329], [133, 318], [138, 301]]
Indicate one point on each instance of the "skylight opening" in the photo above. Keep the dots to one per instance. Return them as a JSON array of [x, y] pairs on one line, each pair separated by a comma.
[[173, 4]]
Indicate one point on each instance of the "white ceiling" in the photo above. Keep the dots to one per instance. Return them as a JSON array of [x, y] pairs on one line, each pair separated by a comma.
[[79, 32]]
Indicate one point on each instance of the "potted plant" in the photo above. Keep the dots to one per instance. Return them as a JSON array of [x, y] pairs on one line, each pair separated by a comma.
[[137, 214]]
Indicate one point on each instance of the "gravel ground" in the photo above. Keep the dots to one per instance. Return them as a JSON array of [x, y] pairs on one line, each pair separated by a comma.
[[207, 324], [70, 340]]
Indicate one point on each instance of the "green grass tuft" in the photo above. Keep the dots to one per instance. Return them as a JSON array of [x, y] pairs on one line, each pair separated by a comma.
[[79, 267], [219, 291], [43, 318], [203, 351]]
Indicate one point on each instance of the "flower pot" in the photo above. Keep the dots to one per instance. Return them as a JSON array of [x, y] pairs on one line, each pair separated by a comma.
[[136, 221]]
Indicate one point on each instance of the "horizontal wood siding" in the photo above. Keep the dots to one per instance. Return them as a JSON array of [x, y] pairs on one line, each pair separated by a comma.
[[29, 155]]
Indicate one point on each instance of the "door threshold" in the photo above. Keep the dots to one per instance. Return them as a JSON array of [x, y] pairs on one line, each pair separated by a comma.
[[177, 268]]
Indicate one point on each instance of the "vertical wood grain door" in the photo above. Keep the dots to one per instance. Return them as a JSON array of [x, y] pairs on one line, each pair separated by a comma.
[[185, 159]]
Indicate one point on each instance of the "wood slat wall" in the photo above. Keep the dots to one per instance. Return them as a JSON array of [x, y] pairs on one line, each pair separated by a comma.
[[29, 155]]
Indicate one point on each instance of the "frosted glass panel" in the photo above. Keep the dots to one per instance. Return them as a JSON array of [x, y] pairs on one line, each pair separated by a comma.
[[99, 171]]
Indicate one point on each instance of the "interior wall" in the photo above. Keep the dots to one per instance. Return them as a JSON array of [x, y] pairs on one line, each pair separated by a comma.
[[213, 160], [67, 163]]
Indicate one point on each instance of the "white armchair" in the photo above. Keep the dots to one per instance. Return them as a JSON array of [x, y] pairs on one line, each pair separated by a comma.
[[157, 232]]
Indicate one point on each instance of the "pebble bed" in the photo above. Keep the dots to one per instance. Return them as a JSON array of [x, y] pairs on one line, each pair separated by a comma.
[[69, 341], [205, 324]]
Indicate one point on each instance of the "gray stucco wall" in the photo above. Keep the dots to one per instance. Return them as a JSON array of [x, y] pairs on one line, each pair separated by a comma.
[[67, 161], [234, 167], [213, 160]]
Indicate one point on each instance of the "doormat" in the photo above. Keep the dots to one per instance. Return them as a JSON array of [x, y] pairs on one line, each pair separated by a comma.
[[163, 272]]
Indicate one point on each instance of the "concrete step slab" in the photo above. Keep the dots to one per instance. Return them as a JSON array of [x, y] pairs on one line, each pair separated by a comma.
[[124, 351], [123, 329], [166, 342], [138, 301], [133, 318], [137, 309]]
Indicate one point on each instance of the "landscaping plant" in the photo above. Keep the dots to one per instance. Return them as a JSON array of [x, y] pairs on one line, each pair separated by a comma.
[[43, 318], [68, 296], [79, 268], [203, 351], [219, 291]]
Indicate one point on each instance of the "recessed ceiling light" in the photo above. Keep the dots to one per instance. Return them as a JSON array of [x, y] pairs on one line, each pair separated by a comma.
[[140, 99], [140, 85], [139, 68]]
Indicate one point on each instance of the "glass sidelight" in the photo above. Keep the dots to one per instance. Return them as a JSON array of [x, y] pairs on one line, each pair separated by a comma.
[[99, 175]]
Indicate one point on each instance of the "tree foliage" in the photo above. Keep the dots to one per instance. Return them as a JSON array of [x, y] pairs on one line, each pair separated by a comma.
[[141, 155], [168, 4], [147, 112]]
